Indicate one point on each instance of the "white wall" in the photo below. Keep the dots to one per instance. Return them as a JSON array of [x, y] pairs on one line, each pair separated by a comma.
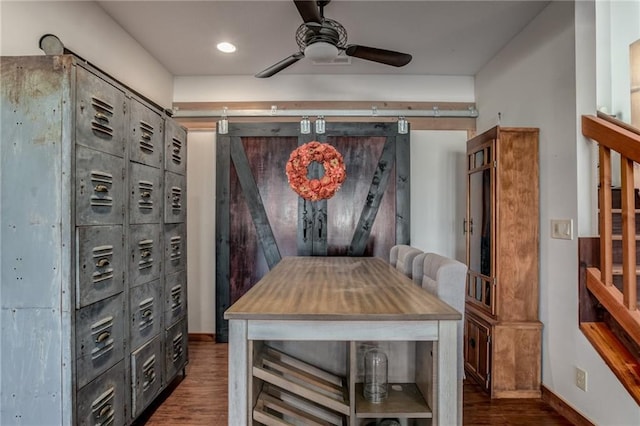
[[533, 82], [624, 27], [422, 88], [438, 191], [201, 243], [85, 29]]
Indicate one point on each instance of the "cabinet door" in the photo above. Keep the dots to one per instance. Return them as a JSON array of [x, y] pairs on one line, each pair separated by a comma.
[[477, 350], [100, 114], [480, 229], [146, 136], [100, 193], [175, 148]]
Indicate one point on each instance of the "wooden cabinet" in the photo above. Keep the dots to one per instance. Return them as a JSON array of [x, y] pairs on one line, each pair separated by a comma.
[[94, 308], [502, 332]]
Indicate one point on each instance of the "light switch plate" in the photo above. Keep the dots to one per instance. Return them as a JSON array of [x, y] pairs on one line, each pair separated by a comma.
[[562, 229]]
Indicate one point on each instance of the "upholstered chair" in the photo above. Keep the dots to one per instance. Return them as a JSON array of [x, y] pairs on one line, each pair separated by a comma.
[[401, 257], [445, 278]]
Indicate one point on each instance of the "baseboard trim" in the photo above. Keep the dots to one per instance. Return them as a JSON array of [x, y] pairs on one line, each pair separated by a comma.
[[563, 408], [202, 337]]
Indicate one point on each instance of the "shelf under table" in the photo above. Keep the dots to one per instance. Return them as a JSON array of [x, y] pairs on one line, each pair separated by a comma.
[[403, 400]]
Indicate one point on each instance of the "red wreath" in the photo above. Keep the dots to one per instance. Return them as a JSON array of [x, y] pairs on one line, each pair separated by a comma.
[[316, 189]]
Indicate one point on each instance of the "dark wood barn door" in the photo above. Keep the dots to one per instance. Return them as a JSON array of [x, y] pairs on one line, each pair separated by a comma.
[[260, 219]]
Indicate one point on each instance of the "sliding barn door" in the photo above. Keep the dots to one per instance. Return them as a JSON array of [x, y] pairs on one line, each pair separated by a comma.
[[260, 219]]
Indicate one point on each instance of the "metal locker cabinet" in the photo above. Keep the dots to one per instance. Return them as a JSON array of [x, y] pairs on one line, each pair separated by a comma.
[[146, 370], [175, 148], [175, 296], [101, 402], [145, 248], [175, 189], [74, 264], [100, 113], [145, 203], [100, 196], [175, 247], [146, 135], [101, 263], [175, 348], [99, 338], [145, 313]]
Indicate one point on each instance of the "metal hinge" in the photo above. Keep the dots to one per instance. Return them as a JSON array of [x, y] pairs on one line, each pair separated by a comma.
[[495, 164], [489, 339]]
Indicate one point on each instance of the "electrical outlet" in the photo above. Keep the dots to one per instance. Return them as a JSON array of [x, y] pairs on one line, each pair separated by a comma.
[[581, 379]]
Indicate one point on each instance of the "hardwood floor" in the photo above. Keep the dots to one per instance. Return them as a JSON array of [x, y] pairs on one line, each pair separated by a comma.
[[201, 398]]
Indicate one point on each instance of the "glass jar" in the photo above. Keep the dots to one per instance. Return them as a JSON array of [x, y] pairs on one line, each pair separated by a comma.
[[375, 376]]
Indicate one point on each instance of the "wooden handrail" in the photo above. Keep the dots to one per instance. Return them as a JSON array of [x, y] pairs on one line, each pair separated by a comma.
[[612, 136], [621, 305]]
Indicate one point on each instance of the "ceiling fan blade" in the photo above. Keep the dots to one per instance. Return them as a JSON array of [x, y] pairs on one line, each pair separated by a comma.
[[276, 68], [388, 57], [308, 10]]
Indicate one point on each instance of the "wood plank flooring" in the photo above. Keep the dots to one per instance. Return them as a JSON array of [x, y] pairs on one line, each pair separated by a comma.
[[201, 398]]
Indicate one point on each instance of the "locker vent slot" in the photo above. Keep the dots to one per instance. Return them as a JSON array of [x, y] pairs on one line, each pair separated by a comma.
[[102, 183], [102, 408], [146, 250], [100, 122], [176, 297], [146, 188], [146, 313], [101, 333], [176, 149], [176, 196], [146, 133], [177, 347], [102, 256], [149, 372], [175, 254]]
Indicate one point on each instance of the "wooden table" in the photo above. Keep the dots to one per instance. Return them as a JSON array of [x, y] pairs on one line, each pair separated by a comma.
[[351, 300]]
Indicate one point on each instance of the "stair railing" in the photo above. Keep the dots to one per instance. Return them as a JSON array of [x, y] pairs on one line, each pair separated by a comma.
[[622, 305]]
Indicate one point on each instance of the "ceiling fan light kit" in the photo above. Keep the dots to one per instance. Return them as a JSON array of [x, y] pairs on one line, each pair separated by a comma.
[[321, 52], [322, 39]]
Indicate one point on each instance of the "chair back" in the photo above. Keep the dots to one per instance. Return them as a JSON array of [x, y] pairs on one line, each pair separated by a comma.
[[401, 257], [445, 278]]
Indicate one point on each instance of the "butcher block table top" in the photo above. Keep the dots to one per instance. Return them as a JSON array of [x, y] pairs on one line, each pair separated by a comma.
[[338, 288]]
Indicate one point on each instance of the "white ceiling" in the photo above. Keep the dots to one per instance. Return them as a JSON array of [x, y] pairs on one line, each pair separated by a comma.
[[444, 37]]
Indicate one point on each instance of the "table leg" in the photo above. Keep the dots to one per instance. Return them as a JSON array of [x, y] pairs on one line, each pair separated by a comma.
[[238, 373], [446, 376]]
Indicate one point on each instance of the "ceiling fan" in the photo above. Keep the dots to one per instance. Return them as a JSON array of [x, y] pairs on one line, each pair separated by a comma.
[[322, 39]]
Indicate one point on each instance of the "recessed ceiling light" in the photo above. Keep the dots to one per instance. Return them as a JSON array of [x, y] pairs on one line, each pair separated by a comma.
[[226, 47]]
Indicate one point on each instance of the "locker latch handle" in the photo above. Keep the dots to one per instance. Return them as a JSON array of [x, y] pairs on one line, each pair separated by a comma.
[[102, 263], [103, 336]]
